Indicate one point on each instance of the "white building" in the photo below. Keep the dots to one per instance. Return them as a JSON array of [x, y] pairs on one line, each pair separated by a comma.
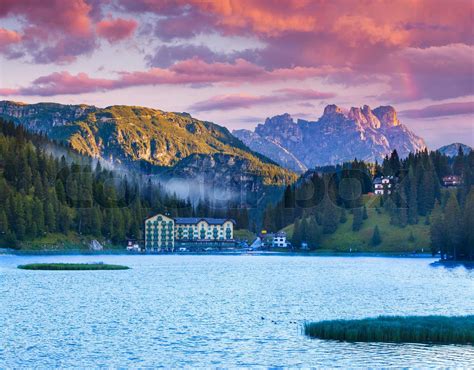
[[384, 185], [279, 240]]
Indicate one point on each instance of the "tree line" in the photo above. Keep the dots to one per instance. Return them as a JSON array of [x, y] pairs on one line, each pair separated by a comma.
[[43, 192], [320, 201]]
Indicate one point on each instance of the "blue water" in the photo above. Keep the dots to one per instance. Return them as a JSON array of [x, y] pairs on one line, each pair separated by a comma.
[[220, 311]]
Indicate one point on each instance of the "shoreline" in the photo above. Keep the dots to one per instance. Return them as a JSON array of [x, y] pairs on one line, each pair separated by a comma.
[[112, 252]]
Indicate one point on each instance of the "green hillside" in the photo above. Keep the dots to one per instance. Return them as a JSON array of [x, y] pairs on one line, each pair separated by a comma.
[[394, 238]]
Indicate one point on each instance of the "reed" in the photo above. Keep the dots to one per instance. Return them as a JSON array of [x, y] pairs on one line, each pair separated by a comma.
[[72, 266], [397, 329]]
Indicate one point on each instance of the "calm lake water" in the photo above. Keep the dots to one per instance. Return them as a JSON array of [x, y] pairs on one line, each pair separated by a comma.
[[221, 311]]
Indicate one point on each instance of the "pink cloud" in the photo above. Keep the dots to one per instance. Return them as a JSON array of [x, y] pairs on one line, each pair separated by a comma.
[[357, 39], [52, 30], [70, 17], [116, 29], [8, 92], [440, 110], [187, 72], [8, 38], [305, 94], [437, 72], [166, 55], [420, 49], [406, 23], [228, 102], [235, 101]]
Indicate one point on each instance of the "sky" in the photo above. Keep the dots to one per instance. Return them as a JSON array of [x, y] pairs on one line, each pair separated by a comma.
[[236, 62]]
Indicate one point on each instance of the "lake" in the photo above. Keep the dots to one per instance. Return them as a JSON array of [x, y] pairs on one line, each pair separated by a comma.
[[217, 310]]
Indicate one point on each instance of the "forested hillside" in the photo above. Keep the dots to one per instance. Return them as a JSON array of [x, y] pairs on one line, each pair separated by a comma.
[[152, 140], [338, 209], [42, 195]]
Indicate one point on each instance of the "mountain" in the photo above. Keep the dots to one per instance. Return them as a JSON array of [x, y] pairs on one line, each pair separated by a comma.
[[452, 150], [172, 144], [336, 137]]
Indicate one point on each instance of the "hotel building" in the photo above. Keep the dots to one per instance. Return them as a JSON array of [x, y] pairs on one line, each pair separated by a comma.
[[164, 233]]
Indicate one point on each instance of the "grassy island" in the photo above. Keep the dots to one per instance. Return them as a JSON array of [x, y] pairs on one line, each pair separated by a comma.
[[72, 266], [397, 329]]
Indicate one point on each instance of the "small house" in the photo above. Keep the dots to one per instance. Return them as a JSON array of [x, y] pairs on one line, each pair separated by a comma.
[[279, 240], [452, 181], [384, 185]]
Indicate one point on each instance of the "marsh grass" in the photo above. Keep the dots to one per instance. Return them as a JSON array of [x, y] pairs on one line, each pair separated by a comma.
[[397, 329], [71, 266]]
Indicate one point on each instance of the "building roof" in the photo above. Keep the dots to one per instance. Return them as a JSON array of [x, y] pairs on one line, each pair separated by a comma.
[[379, 180], [196, 220]]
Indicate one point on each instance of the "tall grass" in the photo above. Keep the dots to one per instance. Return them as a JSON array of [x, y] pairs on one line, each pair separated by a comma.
[[397, 329], [71, 266]]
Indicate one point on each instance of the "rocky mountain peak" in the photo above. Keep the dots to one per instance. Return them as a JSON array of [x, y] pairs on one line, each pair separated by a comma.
[[279, 119], [332, 109], [372, 119], [452, 150], [364, 117], [339, 135], [357, 115], [387, 115]]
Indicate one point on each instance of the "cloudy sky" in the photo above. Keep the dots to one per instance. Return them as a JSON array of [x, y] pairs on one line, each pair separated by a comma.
[[235, 62]]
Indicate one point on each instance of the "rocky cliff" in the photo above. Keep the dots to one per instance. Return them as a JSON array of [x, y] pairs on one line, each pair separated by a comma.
[[336, 137]]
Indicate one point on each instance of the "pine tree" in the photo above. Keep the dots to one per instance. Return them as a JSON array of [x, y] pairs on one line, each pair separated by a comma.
[[296, 237], [3, 223], [402, 211], [427, 194], [118, 234], [288, 207], [19, 224], [49, 217], [39, 216], [459, 163], [376, 238], [330, 216], [269, 219], [64, 219], [437, 231], [412, 198], [454, 232], [343, 219], [468, 225], [313, 233], [394, 163], [357, 220], [95, 222]]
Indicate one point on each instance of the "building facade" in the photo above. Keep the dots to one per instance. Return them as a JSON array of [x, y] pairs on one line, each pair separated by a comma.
[[159, 234], [279, 240], [274, 240], [163, 233], [452, 181], [384, 185]]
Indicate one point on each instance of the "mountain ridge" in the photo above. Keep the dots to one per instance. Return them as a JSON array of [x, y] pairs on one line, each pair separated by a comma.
[[452, 149], [135, 136], [337, 136]]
